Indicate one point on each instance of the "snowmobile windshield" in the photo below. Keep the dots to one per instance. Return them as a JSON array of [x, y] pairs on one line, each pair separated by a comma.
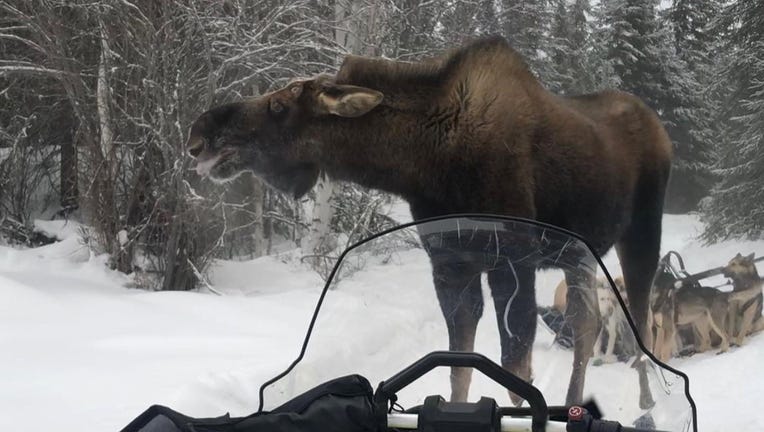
[[494, 286]]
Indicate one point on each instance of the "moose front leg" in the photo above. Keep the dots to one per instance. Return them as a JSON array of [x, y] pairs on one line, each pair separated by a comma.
[[457, 285], [583, 315], [514, 297]]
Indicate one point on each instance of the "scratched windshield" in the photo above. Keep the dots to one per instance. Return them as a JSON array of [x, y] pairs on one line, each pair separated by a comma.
[[527, 296]]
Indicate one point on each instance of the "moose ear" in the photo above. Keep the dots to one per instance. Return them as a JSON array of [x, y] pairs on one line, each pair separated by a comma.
[[751, 256], [349, 101], [739, 255]]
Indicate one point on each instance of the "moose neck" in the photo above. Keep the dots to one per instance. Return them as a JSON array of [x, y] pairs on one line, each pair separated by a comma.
[[385, 149]]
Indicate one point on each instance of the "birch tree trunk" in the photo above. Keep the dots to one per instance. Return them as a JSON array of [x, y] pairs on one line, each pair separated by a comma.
[[258, 232], [115, 240], [102, 100], [319, 239]]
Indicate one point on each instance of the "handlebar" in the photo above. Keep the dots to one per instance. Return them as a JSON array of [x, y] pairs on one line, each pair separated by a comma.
[[578, 421], [538, 406], [437, 414], [509, 424]]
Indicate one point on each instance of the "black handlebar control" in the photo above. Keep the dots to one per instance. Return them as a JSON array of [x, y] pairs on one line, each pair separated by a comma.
[[437, 415], [387, 390], [579, 420]]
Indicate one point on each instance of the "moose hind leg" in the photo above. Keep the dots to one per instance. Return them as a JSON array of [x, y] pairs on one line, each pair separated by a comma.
[[638, 250], [639, 246], [514, 298], [457, 286], [612, 331], [583, 315], [639, 259]]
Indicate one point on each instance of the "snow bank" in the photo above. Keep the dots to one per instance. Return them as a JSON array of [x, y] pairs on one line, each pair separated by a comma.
[[78, 349]]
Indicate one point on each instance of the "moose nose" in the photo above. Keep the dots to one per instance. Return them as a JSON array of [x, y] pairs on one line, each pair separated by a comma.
[[195, 147]]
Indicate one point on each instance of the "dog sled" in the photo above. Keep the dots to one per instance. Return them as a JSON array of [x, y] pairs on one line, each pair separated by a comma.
[[673, 264], [373, 360], [690, 317]]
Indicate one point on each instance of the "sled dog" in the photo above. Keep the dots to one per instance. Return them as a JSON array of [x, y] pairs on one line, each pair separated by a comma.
[[703, 316], [610, 344], [708, 311], [744, 315]]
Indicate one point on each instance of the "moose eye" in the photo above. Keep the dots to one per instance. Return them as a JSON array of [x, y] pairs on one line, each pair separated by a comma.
[[295, 90], [276, 107]]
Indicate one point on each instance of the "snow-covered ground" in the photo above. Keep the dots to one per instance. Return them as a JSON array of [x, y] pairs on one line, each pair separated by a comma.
[[79, 350]]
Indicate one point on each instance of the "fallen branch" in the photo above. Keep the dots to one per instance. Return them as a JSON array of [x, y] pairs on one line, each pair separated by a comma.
[[19, 233], [201, 277]]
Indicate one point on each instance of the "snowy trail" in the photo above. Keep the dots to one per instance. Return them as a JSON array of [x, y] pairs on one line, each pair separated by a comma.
[[78, 347]]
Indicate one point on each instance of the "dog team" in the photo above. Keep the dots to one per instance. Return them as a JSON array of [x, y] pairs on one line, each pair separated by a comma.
[[684, 318]]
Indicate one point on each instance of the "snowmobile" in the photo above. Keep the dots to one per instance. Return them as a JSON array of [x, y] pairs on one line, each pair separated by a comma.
[[378, 321]]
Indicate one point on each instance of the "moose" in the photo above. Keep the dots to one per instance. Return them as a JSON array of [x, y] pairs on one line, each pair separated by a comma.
[[473, 131]]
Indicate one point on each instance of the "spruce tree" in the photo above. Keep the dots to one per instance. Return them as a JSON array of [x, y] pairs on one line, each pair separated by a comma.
[[584, 60], [652, 63], [559, 49], [690, 106], [487, 18], [736, 204], [572, 48], [632, 43], [525, 24]]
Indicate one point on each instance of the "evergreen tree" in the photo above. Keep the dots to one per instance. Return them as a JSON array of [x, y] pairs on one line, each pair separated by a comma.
[[691, 21], [487, 18], [645, 55], [584, 60], [559, 49], [736, 205], [525, 24], [690, 108], [572, 49], [633, 47], [600, 63]]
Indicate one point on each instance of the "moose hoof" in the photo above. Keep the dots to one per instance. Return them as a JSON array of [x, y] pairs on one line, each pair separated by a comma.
[[517, 401]]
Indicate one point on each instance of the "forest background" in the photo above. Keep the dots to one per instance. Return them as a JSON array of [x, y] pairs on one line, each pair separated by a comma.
[[96, 98]]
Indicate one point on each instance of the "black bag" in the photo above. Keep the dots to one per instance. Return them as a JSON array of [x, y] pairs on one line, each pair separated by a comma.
[[341, 405]]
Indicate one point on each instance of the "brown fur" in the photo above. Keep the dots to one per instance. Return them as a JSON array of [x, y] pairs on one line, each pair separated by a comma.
[[473, 131]]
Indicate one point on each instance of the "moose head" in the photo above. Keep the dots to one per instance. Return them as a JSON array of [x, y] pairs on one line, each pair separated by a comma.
[[276, 135]]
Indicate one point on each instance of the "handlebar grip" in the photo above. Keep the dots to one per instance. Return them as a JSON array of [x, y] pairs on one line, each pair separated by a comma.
[[538, 406]]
